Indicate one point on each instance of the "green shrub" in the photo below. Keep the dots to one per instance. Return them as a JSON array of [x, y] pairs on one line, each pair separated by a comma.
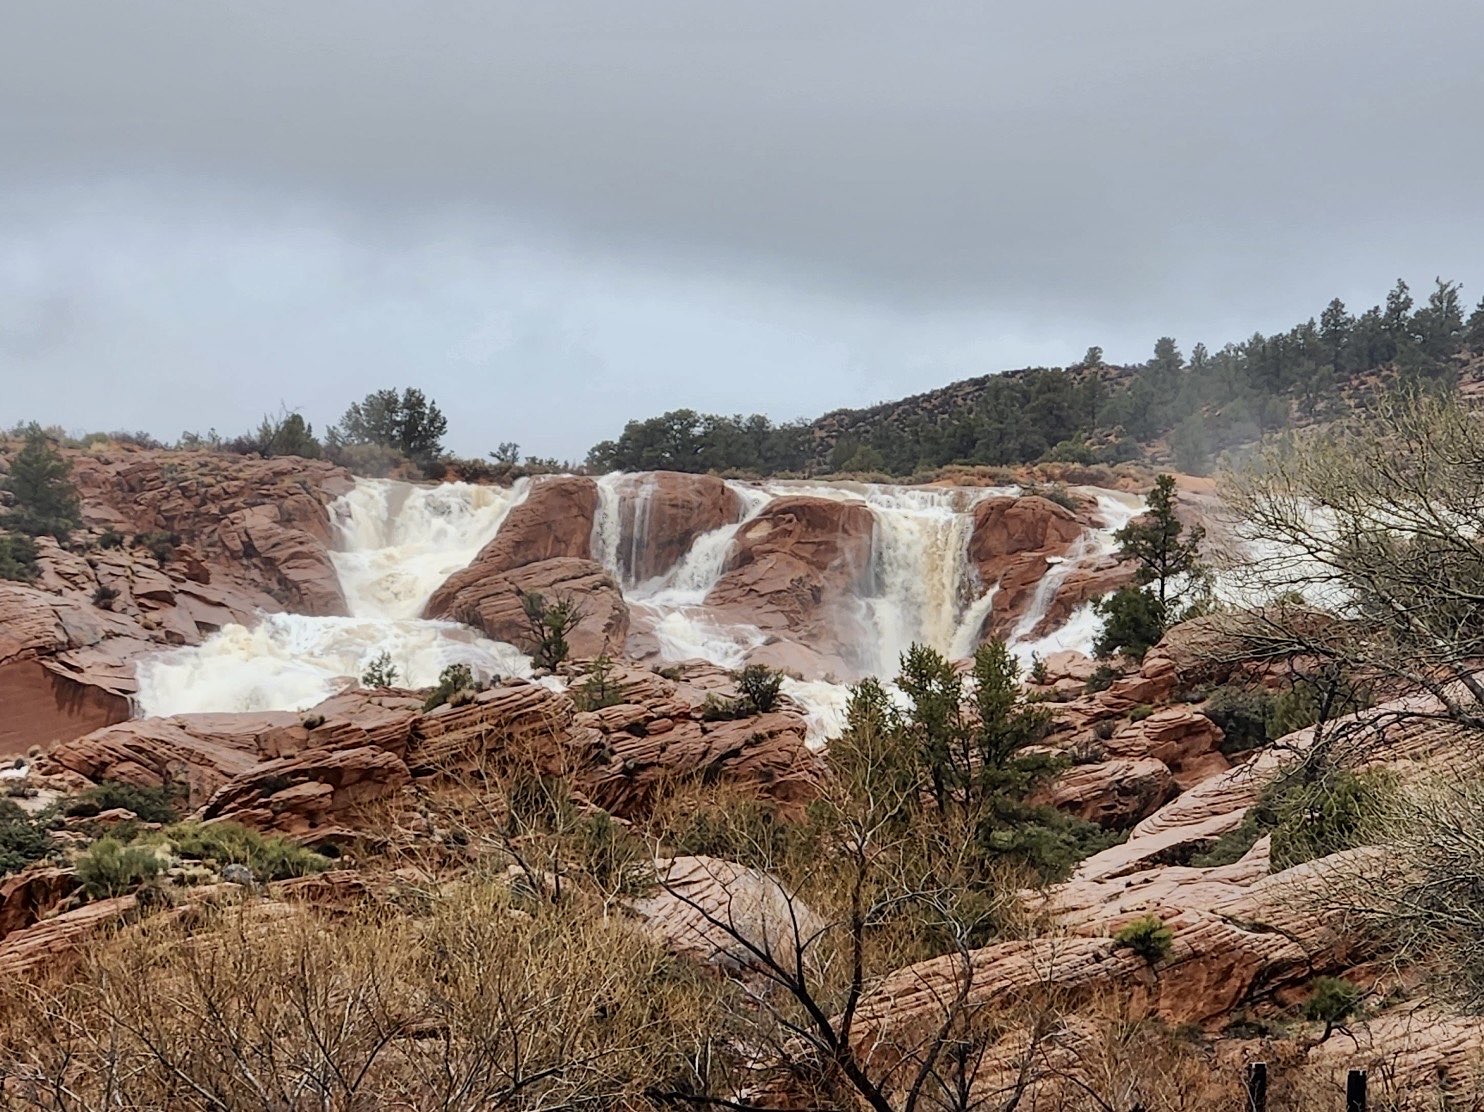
[[159, 805], [547, 626], [381, 672], [718, 708], [759, 686], [1327, 815], [24, 838], [160, 545], [612, 855], [1038, 672], [1147, 937], [598, 690], [18, 558], [1232, 846], [1243, 715], [112, 868], [111, 538], [737, 828], [1307, 819], [1140, 712], [270, 857], [105, 596], [1101, 679], [40, 483], [1133, 622], [452, 680], [1333, 1001]]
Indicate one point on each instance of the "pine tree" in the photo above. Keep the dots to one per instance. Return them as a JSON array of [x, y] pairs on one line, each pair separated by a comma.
[[40, 482], [1169, 576]]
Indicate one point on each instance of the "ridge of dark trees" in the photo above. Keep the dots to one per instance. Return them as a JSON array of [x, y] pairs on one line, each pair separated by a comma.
[[1184, 410]]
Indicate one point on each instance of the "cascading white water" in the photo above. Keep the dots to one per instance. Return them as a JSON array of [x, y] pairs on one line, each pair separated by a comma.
[[1082, 627], [290, 662], [398, 543], [607, 532], [676, 600], [920, 578]]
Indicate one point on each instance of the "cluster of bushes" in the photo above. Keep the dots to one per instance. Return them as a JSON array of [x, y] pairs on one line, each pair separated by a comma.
[[121, 862], [758, 687], [1310, 813], [1252, 717]]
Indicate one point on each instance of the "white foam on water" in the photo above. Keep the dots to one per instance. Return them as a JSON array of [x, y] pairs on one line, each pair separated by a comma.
[[399, 542], [824, 708], [291, 662]]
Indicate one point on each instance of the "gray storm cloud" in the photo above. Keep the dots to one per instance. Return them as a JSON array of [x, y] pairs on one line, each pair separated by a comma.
[[558, 215]]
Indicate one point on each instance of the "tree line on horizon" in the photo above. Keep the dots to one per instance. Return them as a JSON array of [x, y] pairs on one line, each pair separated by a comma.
[[1201, 405]]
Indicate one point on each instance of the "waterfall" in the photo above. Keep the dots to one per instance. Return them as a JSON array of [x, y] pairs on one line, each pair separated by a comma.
[[920, 578], [677, 600], [1082, 627], [398, 543], [607, 532], [966, 636]]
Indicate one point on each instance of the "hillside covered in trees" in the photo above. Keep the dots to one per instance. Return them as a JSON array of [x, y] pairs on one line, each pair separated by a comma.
[[1171, 408]]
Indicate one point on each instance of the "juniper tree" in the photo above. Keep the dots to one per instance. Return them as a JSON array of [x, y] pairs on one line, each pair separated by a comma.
[[40, 482]]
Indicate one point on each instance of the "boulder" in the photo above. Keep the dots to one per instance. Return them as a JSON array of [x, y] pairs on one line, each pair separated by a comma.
[[662, 513], [488, 599], [725, 914], [1011, 548], [316, 794], [554, 520], [795, 572], [31, 894], [199, 751]]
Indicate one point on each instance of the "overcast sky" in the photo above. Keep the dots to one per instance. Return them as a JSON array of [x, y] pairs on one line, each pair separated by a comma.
[[555, 216]]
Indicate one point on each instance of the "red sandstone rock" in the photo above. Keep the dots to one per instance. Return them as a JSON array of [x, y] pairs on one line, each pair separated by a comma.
[[27, 896], [662, 514], [1012, 542], [554, 520], [795, 571], [487, 599], [309, 795], [1114, 793]]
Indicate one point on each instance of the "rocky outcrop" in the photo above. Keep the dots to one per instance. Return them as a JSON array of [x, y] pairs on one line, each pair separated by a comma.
[[553, 521], [203, 752], [544, 546], [316, 795], [49, 943], [44, 697], [794, 571], [199, 540], [312, 774], [1114, 794], [489, 600], [1013, 543], [263, 522], [1251, 944], [662, 513], [28, 896]]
